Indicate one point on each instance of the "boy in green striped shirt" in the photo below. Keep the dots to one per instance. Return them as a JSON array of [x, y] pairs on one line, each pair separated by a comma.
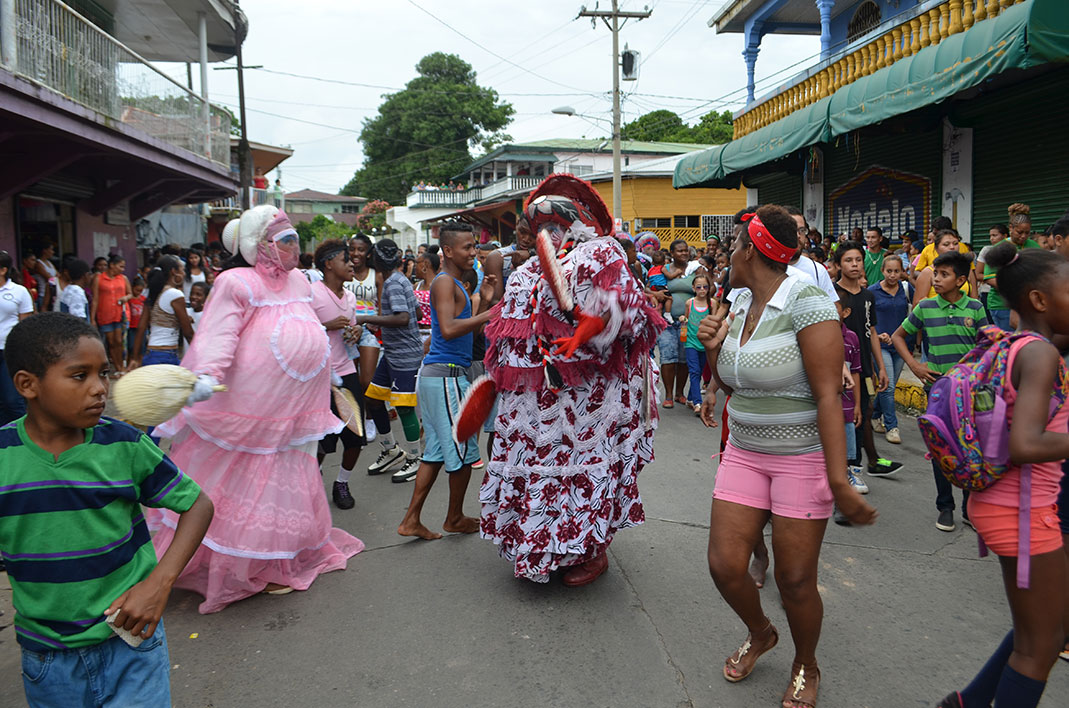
[[950, 321], [72, 534]]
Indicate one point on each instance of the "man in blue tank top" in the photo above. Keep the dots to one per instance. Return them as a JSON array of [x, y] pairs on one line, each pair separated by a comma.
[[443, 383]]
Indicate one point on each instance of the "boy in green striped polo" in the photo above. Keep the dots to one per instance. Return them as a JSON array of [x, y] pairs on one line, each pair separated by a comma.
[[951, 321], [72, 534]]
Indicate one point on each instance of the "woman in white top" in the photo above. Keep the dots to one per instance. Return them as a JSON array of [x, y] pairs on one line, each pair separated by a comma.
[[45, 250], [195, 272], [165, 316], [367, 303], [15, 306]]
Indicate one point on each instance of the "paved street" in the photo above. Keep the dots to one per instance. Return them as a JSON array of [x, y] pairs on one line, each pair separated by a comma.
[[911, 613]]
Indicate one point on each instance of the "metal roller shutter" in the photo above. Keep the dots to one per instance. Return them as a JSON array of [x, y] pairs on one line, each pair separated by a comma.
[[849, 155], [1020, 148], [780, 188]]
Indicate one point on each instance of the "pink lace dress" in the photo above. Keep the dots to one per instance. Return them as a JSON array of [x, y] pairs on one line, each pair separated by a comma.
[[563, 475], [252, 449]]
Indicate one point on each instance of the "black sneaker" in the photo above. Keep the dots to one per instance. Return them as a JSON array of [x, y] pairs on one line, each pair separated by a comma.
[[342, 498], [408, 471], [945, 522], [840, 518], [884, 468], [387, 459]]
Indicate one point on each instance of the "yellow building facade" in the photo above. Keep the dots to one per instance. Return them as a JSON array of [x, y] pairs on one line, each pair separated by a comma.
[[651, 204]]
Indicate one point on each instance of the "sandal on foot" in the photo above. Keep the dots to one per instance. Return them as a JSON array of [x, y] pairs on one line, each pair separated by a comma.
[[745, 657], [802, 691], [951, 701]]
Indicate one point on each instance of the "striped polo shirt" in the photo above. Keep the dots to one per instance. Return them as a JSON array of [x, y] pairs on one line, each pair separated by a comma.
[[950, 328], [772, 409], [71, 530]]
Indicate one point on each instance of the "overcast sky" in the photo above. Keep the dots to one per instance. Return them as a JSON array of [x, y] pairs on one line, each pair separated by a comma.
[[380, 41]]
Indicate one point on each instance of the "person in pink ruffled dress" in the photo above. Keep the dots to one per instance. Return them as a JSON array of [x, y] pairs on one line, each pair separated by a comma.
[[578, 408], [253, 448]]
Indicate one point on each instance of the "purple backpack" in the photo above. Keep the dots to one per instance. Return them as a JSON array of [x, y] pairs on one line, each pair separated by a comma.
[[966, 430]]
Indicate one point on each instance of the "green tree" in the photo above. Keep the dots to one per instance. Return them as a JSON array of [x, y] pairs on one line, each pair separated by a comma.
[[311, 233], [426, 130], [664, 125], [373, 215], [713, 129]]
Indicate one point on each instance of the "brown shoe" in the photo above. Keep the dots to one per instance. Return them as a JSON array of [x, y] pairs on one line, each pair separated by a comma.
[[586, 573], [802, 691], [741, 664]]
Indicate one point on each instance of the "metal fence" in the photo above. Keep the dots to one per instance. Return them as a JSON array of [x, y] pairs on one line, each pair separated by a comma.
[[58, 48]]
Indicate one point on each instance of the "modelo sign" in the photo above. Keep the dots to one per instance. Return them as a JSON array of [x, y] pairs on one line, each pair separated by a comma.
[[895, 201]]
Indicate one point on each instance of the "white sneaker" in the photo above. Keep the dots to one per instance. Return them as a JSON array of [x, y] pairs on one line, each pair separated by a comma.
[[386, 460], [853, 476], [408, 471], [893, 436], [370, 431], [877, 425]]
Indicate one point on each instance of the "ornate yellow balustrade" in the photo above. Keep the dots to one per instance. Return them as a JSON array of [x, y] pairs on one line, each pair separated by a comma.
[[910, 37]]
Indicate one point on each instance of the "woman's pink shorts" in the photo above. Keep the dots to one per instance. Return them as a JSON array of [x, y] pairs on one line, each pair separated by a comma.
[[794, 486], [997, 525]]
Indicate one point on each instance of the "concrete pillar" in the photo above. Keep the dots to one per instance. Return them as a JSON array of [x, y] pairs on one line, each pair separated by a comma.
[[202, 37], [824, 8], [9, 53]]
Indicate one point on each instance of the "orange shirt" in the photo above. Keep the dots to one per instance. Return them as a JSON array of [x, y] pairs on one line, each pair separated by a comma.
[[109, 290]]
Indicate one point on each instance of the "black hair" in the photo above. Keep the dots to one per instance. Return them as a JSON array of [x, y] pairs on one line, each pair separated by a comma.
[[433, 248], [39, 341], [1060, 228], [877, 229], [432, 258], [795, 211], [939, 235], [137, 280], [626, 244], [818, 253], [364, 239], [744, 211], [189, 269], [675, 243], [98, 259], [471, 279], [159, 277], [940, 223], [6, 261], [782, 227], [203, 286], [235, 261], [1020, 272], [959, 262], [116, 258], [448, 231], [1002, 229], [77, 269], [305, 260], [41, 246], [844, 247], [386, 255], [331, 247]]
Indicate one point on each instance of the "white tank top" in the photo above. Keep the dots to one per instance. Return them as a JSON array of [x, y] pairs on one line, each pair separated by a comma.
[[365, 292]]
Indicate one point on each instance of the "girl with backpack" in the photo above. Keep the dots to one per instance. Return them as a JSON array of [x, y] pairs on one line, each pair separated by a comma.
[[1035, 283]]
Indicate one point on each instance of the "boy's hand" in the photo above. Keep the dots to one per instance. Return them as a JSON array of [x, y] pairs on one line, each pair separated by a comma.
[[924, 373], [885, 338], [486, 290], [882, 382], [141, 607], [857, 415], [713, 330]]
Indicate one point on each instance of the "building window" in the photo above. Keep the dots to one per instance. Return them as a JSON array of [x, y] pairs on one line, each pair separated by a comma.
[[661, 223], [866, 18], [688, 222], [578, 170], [350, 209]]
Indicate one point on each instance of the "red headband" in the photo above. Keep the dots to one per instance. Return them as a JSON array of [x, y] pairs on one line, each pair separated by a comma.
[[765, 242]]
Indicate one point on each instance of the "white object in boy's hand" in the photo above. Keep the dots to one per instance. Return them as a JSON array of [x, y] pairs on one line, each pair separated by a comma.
[[202, 389], [124, 634]]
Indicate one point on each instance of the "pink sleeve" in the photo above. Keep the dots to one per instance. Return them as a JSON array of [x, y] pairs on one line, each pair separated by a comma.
[[225, 315]]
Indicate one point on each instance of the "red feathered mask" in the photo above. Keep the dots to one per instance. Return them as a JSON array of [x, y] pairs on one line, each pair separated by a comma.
[[563, 199]]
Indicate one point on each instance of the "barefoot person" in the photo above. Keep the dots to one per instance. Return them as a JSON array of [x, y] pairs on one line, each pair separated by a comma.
[[443, 383], [779, 353], [576, 417]]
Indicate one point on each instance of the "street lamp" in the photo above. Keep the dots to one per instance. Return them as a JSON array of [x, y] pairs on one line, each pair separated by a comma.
[[616, 187]]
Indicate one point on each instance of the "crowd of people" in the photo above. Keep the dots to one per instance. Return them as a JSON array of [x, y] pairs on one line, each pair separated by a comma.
[[551, 348]]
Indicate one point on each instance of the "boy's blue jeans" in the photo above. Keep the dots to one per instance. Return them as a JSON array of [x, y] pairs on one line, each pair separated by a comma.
[[695, 365], [111, 674]]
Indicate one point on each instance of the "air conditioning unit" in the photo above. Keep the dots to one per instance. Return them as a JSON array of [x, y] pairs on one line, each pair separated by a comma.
[[629, 63]]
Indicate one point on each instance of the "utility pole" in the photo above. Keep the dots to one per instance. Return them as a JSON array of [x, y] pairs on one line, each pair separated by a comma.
[[612, 20], [244, 166]]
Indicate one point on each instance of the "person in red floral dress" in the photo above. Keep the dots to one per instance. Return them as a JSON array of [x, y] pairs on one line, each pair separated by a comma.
[[578, 404]]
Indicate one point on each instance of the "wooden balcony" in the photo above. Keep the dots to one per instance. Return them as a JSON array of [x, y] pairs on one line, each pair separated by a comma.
[[925, 29]]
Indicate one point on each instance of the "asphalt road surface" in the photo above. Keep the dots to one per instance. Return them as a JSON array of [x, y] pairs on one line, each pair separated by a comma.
[[910, 612]]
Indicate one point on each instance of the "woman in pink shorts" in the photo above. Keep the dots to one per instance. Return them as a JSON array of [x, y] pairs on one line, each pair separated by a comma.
[[1035, 284], [779, 354]]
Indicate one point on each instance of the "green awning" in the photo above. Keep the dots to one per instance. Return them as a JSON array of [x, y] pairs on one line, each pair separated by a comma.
[[1023, 36]]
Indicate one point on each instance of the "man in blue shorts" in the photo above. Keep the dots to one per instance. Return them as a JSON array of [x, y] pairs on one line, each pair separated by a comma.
[[443, 383]]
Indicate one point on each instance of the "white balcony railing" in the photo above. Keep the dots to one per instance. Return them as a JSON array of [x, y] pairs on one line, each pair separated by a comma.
[[58, 48], [443, 198], [510, 184]]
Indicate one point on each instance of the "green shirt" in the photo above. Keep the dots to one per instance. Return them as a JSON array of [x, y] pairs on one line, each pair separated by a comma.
[[951, 328], [995, 301], [874, 265], [71, 530]]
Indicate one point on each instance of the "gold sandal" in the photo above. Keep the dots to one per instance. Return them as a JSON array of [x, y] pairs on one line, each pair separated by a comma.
[[802, 691], [745, 657]]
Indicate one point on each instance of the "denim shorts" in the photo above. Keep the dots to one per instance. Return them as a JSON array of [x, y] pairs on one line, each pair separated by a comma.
[[110, 327], [367, 339], [669, 346], [110, 673]]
